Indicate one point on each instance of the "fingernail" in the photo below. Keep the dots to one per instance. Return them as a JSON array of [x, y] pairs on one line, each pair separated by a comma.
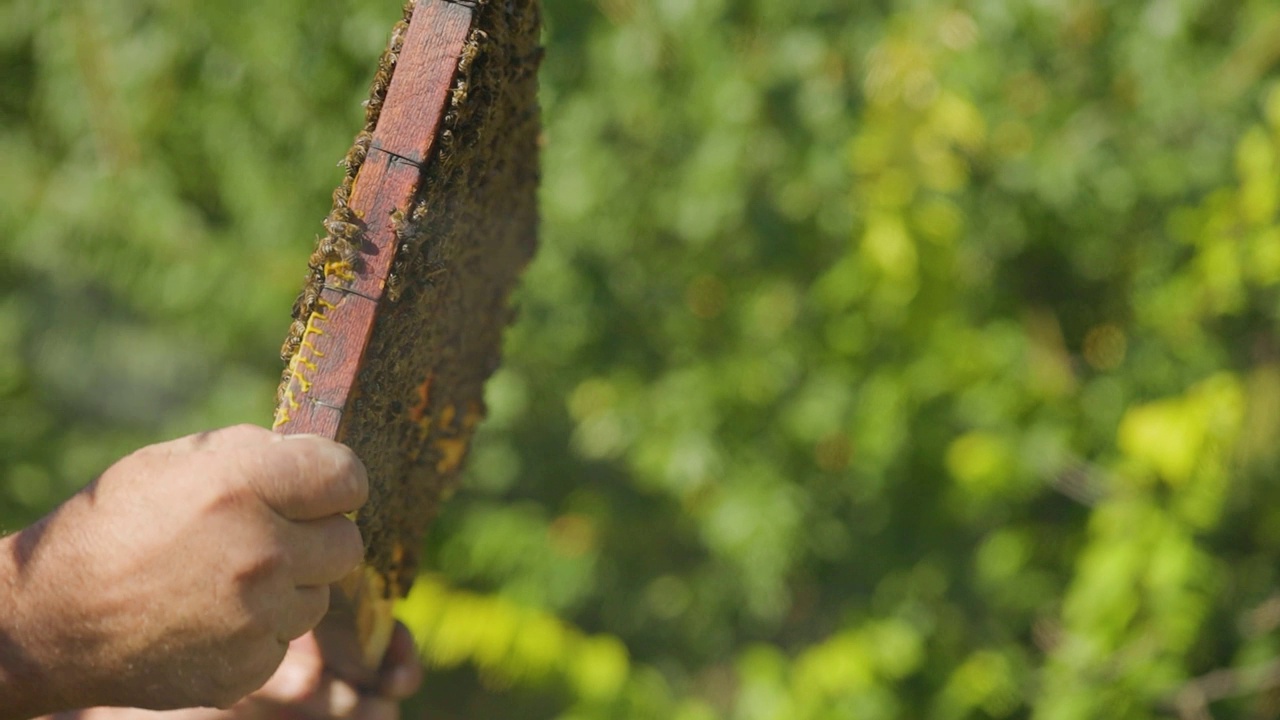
[[303, 436], [342, 699]]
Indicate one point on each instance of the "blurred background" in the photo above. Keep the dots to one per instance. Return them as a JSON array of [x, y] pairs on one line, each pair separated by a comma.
[[896, 359]]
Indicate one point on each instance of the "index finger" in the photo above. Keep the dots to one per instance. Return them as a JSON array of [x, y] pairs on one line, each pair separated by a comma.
[[401, 669], [308, 477]]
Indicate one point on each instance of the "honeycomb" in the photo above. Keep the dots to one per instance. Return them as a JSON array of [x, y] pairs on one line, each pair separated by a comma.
[[399, 323]]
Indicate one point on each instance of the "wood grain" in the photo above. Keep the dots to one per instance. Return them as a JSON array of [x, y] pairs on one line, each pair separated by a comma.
[[324, 370], [389, 355]]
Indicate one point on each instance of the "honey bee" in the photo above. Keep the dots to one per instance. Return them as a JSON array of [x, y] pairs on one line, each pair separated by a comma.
[[460, 92], [400, 30], [340, 249], [285, 376], [293, 340], [372, 109], [394, 286], [341, 229], [469, 53], [349, 254], [359, 151], [381, 81], [327, 248], [290, 346], [409, 244], [306, 299], [343, 213], [387, 60], [318, 258], [446, 145], [299, 305], [341, 196]]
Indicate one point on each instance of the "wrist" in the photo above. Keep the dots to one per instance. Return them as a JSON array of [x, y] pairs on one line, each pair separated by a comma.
[[51, 657]]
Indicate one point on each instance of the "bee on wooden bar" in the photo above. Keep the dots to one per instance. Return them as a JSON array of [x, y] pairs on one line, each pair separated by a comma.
[[290, 346], [342, 229], [460, 92], [398, 34], [446, 145], [387, 61], [341, 196], [343, 214], [306, 299], [318, 257], [285, 375], [372, 109], [358, 152], [470, 51], [349, 253], [394, 286], [293, 340], [340, 249], [398, 222], [327, 249]]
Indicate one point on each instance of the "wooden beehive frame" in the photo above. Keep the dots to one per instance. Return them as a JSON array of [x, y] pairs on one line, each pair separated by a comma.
[[439, 199]]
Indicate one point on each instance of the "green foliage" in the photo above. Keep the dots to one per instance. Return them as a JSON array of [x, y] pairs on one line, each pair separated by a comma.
[[881, 360]]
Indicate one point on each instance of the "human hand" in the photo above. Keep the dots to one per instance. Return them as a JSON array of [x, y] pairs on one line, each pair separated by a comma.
[[303, 688], [179, 577]]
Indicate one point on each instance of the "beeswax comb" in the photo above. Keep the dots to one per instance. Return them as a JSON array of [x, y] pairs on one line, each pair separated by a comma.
[[399, 322]]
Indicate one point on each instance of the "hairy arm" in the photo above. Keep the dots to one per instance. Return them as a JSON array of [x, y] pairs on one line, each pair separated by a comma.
[[179, 577], [25, 680], [302, 688]]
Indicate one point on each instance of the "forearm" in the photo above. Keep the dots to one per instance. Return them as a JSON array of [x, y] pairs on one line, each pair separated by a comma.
[[25, 690]]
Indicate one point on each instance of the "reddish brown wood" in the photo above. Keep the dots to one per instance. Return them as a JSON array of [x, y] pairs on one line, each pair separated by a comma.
[[325, 368], [400, 380]]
